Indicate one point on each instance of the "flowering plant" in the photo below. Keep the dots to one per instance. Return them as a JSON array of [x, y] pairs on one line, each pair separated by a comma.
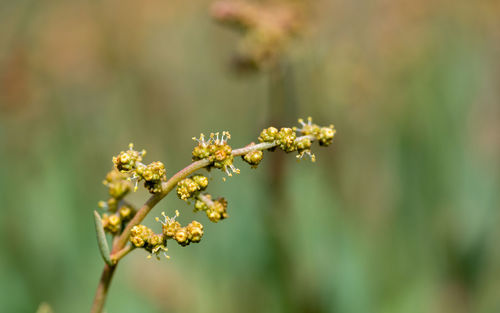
[[123, 221]]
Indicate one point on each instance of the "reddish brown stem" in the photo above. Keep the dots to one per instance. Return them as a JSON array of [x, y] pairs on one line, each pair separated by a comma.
[[115, 257], [102, 288]]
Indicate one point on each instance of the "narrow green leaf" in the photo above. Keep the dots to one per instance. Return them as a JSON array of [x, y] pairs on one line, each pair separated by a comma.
[[101, 238]]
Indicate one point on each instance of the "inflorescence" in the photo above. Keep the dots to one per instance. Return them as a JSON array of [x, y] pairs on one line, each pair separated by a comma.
[[129, 162], [118, 211], [217, 151], [129, 170]]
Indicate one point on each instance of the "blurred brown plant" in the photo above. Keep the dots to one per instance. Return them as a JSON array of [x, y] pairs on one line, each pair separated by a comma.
[[267, 29]]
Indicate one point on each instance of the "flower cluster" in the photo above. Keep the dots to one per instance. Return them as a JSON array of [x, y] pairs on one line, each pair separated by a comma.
[[118, 211], [187, 187], [216, 210], [267, 29], [126, 161], [253, 157], [324, 135], [130, 162], [286, 138], [118, 184], [216, 150], [113, 222], [143, 237]]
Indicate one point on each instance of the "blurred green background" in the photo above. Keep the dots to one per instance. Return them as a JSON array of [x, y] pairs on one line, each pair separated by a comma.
[[400, 214]]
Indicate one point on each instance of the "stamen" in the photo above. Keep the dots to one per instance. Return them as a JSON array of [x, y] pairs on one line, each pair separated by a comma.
[[313, 157], [308, 152], [234, 169], [135, 180], [160, 221], [201, 141]]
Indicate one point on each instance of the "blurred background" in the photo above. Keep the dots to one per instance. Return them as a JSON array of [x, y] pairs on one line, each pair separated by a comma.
[[400, 214]]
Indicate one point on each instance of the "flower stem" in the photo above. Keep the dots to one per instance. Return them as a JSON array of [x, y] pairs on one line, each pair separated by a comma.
[[102, 288], [120, 254]]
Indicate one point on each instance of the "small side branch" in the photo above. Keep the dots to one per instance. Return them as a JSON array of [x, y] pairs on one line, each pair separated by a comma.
[[115, 257]]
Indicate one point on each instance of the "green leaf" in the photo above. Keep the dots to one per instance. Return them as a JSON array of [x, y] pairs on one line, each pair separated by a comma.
[[101, 239]]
